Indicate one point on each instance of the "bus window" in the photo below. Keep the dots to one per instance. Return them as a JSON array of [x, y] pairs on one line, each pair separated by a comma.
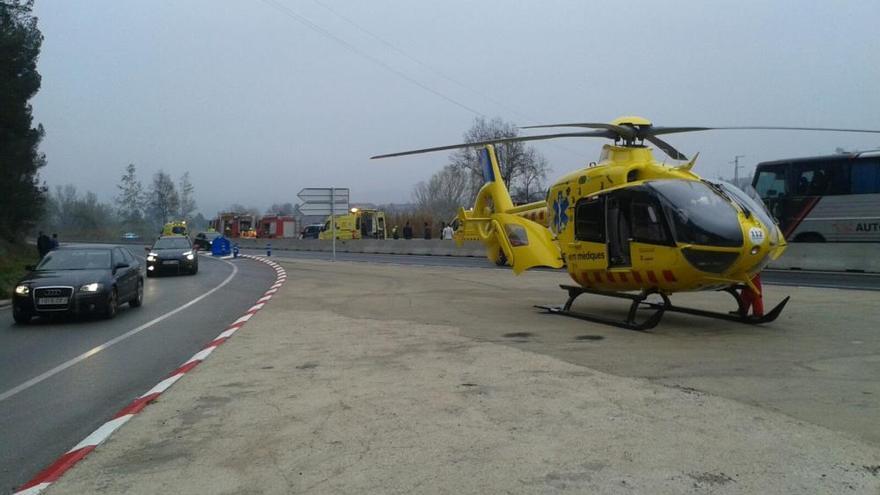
[[770, 181], [865, 177], [820, 178]]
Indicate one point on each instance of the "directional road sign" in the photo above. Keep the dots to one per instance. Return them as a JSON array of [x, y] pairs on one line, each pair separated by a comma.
[[324, 200]]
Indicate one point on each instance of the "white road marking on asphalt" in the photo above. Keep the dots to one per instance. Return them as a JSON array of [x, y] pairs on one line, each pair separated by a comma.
[[106, 345]]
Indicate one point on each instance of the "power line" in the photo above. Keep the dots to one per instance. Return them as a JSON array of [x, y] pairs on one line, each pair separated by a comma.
[[437, 71], [311, 25], [315, 27], [425, 65]]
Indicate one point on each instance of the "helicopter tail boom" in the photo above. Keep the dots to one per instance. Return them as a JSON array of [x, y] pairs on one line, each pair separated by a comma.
[[510, 239]]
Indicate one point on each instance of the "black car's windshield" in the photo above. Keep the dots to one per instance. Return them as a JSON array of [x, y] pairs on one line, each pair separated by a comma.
[[698, 214], [172, 243], [76, 259]]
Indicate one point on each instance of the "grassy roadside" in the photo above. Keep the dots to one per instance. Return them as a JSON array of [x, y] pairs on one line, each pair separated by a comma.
[[13, 258]]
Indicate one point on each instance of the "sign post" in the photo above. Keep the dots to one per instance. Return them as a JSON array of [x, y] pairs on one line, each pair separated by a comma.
[[330, 201]]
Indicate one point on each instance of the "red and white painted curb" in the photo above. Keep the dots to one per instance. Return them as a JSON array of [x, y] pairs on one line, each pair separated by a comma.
[[51, 474]]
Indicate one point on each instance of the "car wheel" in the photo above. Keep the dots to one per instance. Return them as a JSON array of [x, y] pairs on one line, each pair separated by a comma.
[[21, 317], [112, 305], [139, 295]]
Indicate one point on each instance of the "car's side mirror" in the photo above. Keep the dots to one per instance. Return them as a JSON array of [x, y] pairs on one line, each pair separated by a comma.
[[121, 264], [30, 268]]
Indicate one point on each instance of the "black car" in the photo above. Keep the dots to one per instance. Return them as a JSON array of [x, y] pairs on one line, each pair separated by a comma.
[[174, 254], [311, 231], [203, 240], [80, 279]]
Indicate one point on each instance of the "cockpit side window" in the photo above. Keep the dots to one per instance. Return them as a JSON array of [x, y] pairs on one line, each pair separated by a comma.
[[589, 220], [647, 223]]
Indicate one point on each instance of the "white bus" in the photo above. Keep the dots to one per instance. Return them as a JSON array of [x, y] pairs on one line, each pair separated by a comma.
[[832, 198]]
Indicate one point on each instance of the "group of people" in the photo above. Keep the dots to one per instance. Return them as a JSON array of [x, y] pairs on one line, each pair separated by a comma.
[[46, 244], [446, 231]]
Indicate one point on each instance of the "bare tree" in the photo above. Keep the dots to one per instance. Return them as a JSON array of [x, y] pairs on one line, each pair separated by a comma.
[[163, 199], [187, 201], [281, 209], [443, 193], [130, 201], [531, 187], [520, 165]]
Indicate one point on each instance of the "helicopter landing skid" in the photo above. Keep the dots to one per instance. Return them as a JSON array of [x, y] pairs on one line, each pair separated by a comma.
[[630, 323], [639, 300]]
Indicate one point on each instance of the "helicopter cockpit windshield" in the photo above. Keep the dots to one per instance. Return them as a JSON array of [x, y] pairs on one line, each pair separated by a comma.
[[750, 202], [698, 214]]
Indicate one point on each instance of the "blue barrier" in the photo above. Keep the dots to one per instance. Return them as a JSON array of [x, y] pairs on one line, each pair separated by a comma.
[[221, 247]]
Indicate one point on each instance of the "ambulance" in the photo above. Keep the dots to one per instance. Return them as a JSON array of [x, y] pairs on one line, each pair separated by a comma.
[[356, 224]]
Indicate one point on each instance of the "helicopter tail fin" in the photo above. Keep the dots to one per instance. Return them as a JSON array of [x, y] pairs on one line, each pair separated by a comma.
[[509, 239]]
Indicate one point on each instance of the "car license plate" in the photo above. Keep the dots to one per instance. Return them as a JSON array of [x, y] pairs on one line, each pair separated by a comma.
[[48, 301], [169, 262]]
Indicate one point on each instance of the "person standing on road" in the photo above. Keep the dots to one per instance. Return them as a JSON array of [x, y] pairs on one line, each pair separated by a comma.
[[44, 244], [54, 242], [394, 233], [447, 233], [427, 231], [407, 231]]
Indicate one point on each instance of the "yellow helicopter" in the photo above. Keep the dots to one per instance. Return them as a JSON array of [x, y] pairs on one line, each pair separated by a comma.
[[629, 226]]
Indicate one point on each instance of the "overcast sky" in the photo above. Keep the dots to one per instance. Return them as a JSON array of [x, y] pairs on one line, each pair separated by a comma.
[[259, 98]]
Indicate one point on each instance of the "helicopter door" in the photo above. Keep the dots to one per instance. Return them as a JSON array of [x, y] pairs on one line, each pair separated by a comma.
[[617, 212]]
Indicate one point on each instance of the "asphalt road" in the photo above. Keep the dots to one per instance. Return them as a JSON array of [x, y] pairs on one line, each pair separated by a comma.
[[792, 278], [42, 421]]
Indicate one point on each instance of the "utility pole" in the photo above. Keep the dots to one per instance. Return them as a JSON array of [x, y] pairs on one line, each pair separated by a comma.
[[736, 167]]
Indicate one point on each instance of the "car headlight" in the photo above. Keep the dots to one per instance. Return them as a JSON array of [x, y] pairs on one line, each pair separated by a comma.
[[22, 290], [189, 255], [92, 287], [152, 257]]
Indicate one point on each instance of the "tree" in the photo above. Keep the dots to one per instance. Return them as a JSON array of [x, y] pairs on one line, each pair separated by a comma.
[[281, 209], [443, 193], [521, 166], [163, 199], [530, 186], [130, 201], [22, 197], [81, 217], [187, 201]]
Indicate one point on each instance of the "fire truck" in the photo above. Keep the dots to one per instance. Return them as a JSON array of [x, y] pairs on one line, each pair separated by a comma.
[[232, 224]]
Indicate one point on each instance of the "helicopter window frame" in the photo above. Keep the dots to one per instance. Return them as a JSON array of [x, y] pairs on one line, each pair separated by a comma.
[[656, 231], [590, 228]]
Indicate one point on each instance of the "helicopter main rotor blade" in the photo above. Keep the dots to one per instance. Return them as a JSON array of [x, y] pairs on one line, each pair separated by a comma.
[[623, 131], [656, 131], [666, 147], [602, 134]]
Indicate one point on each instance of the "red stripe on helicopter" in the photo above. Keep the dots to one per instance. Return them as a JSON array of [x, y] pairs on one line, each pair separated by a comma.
[[622, 276], [609, 276], [651, 276], [637, 277], [598, 277], [669, 276]]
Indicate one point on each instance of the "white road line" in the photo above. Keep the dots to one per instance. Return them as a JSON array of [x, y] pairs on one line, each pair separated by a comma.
[[106, 345]]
